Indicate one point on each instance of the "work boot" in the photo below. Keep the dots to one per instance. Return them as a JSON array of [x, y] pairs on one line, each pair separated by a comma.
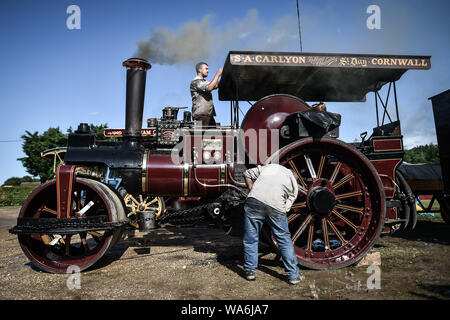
[[250, 275], [299, 278]]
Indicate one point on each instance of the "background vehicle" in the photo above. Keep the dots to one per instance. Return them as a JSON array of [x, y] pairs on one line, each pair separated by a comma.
[[433, 179]]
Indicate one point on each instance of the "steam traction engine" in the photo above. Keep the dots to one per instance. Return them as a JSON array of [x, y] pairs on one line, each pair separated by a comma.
[[176, 172]]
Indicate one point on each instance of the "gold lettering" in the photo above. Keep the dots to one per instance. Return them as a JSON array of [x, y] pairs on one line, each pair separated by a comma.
[[247, 59], [295, 59], [237, 58], [288, 58], [424, 64], [274, 59], [386, 62], [393, 62], [374, 61], [380, 61], [402, 62], [410, 62], [258, 58], [266, 59], [301, 60]]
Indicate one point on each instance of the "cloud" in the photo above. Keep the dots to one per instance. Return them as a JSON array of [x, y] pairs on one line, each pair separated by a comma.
[[411, 141]]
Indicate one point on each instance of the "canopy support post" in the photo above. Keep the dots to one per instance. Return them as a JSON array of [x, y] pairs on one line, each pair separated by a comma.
[[396, 106]]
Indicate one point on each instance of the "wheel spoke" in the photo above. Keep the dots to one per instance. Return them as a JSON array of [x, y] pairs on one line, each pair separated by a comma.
[[96, 236], [348, 195], [337, 232], [46, 209], [350, 208], [302, 228], [78, 201], [348, 222], [303, 190], [67, 241], [321, 164], [299, 205], [310, 237], [84, 242], [291, 163], [335, 172], [293, 216], [134, 200], [325, 234], [344, 180], [310, 166]]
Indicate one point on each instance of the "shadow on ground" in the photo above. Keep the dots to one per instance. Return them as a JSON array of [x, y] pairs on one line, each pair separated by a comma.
[[226, 247], [443, 292], [428, 231]]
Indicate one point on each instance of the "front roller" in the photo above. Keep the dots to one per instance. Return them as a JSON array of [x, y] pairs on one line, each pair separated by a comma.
[[95, 224], [340, 210]]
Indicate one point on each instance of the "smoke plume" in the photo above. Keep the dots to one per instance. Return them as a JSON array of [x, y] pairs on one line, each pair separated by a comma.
[[198, 40]]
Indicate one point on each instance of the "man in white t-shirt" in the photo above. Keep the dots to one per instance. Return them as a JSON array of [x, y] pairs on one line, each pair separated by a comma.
[[273, 190]]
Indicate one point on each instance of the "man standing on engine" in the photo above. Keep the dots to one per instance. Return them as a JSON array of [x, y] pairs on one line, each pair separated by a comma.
[[273, 190], [202, 101]]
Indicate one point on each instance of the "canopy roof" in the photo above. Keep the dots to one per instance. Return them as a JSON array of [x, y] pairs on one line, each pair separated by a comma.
[[251, 75]]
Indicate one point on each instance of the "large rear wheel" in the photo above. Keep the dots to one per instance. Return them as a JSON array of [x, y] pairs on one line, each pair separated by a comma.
[[339, 213]]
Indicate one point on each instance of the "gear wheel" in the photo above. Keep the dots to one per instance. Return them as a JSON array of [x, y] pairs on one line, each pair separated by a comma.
[[139, 203]]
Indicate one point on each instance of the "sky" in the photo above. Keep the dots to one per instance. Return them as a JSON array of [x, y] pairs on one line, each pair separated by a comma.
[[53, 76]]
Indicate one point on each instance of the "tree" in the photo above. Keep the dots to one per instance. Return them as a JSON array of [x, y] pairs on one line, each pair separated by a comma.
[[428, 153], [16, 181], [34, 144], [13, 181]]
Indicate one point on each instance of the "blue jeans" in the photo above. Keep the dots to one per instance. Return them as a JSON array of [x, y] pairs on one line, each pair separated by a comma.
[[256, 213]]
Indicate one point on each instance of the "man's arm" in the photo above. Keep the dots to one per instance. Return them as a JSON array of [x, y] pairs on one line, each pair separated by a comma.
[[292, 193], [250, 175], [249, 183], [215, 82]]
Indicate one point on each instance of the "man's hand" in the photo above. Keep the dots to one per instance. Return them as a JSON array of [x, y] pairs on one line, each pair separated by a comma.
[[215, 82]]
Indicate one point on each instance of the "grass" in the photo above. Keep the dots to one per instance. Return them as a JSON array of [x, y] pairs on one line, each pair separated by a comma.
[[435, 204], [14, 196], [437, 215]]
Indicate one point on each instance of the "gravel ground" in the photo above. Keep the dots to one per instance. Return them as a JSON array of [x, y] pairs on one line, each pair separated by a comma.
[[206, 263]]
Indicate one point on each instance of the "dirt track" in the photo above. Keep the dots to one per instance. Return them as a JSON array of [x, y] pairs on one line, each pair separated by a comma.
[[206, 263]]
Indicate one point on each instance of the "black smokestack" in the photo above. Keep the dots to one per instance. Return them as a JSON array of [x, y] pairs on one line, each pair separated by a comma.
[[136, 76]]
